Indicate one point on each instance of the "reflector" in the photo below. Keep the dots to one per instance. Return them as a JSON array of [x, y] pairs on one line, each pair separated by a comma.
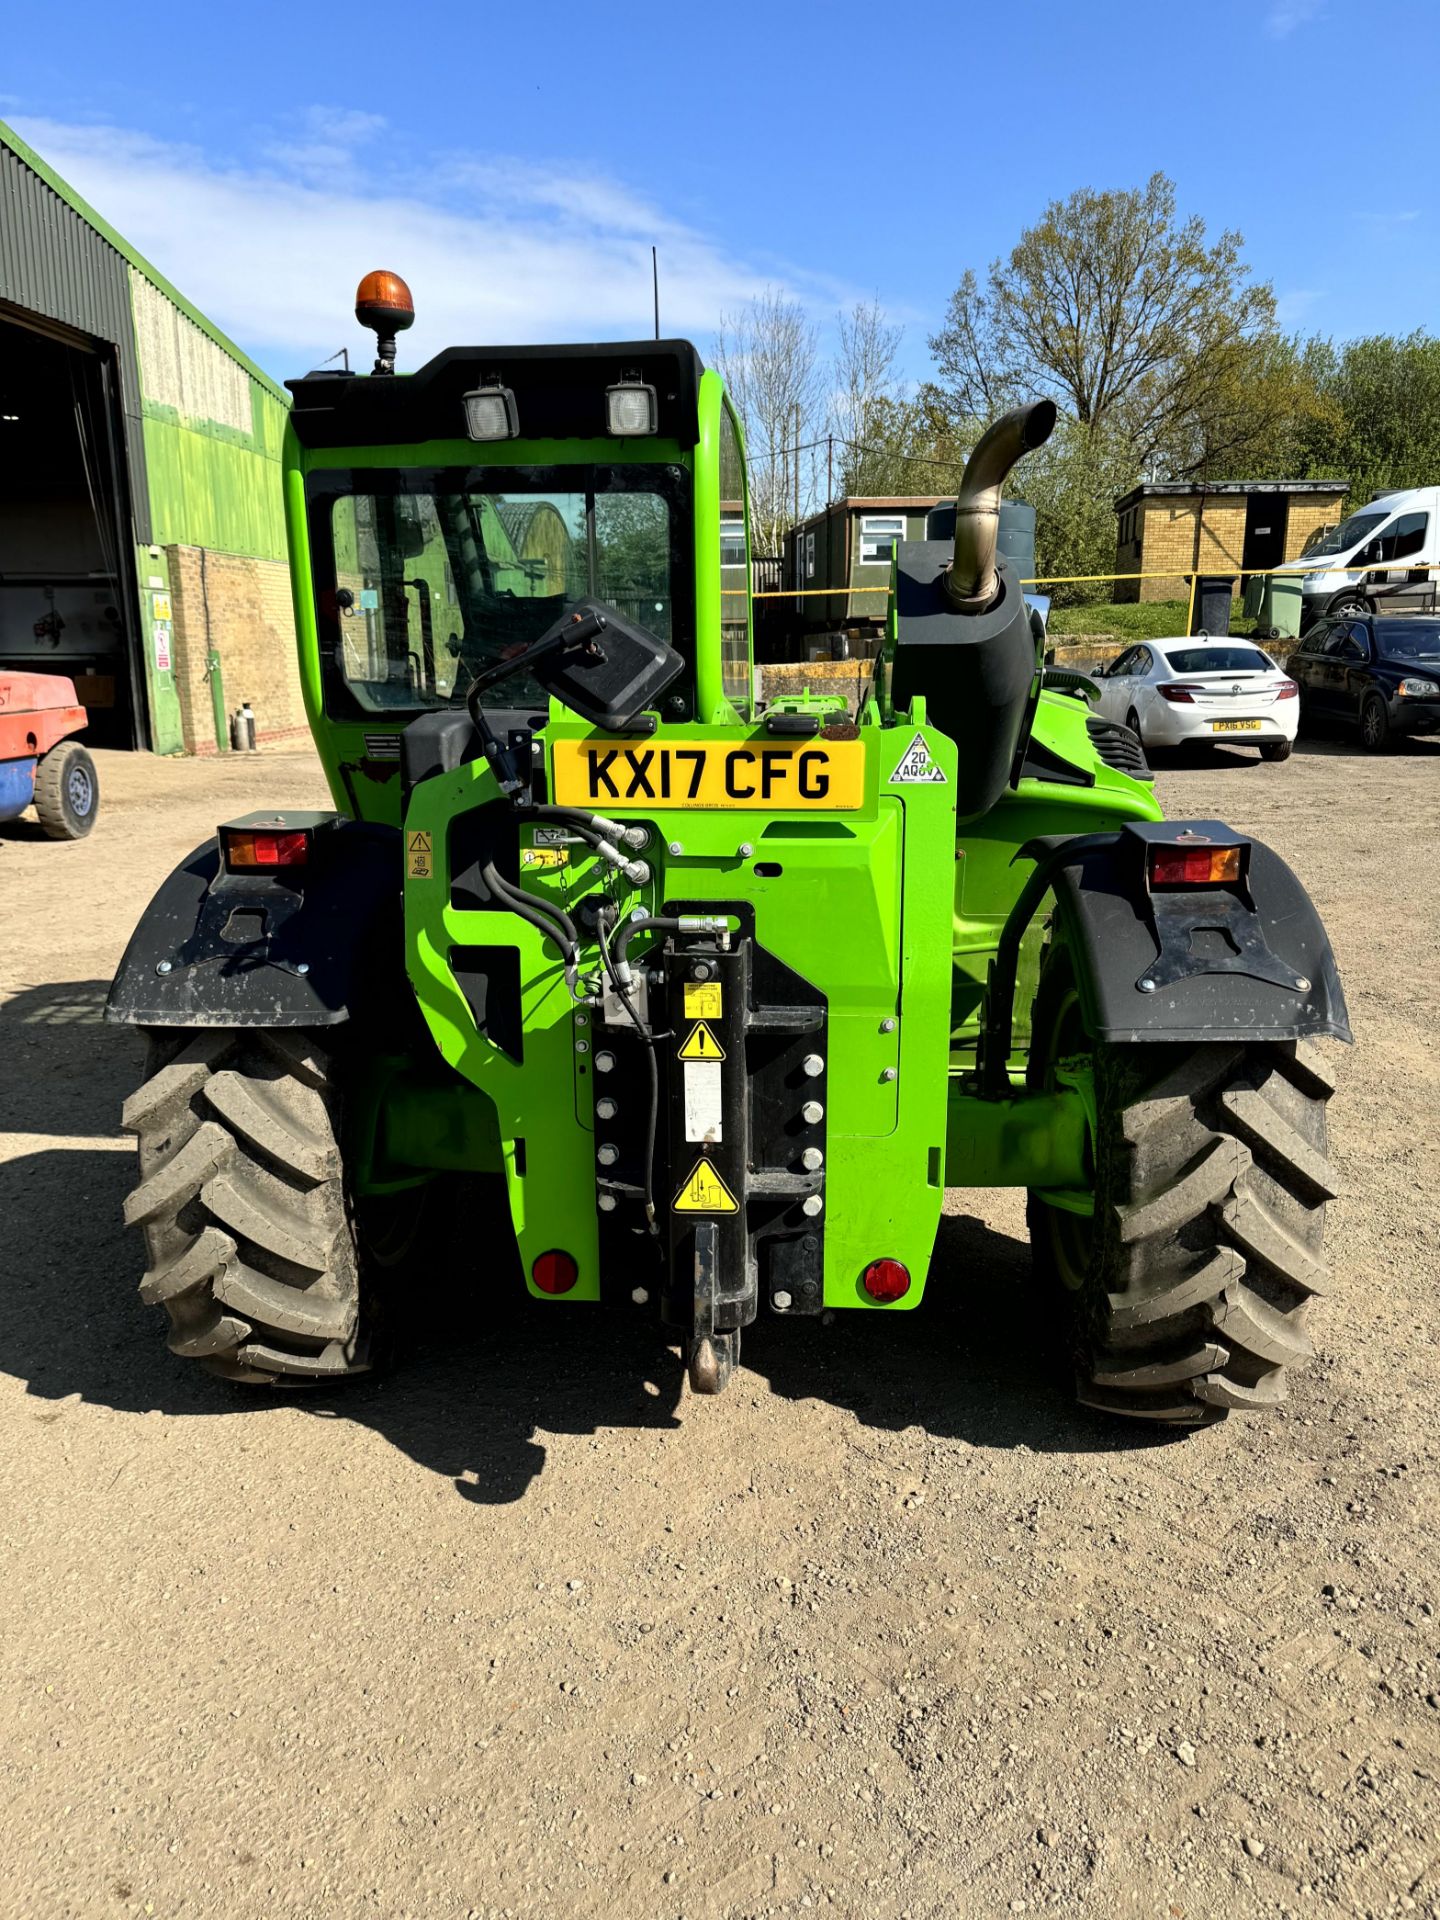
[[554, 1272], [886, 1280]]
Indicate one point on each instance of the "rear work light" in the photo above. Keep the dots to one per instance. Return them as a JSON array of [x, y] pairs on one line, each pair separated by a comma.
[[554, 1272], [1178, 693], [630, 409], [886, 1280], [250, 851], [490, 414], [1202, 866]]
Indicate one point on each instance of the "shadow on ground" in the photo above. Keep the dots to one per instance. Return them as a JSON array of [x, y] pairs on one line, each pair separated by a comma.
[[475, 1389]]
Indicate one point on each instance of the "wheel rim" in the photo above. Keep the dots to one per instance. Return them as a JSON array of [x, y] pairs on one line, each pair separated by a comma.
[[79, 791], [1371, 725]]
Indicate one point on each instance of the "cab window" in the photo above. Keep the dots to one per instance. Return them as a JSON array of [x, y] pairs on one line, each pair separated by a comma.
[[734, 570]]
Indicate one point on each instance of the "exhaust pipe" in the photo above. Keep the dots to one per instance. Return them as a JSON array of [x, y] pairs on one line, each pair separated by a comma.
[[971, 582]]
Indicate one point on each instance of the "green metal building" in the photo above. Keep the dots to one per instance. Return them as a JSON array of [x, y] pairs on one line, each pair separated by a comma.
[[142, 536]]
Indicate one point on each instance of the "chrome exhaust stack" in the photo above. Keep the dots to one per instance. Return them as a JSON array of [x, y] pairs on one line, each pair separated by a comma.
[[971, 581]]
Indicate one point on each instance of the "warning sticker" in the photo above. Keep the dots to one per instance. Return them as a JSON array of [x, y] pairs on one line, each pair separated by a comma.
[[916, 768], [705, 1192], [544, 856], [703, 1000], [704, 1108], [419, 855], [701, 1044]]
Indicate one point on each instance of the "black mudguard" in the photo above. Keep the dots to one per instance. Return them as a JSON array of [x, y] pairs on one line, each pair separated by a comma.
[[1108, 915], [303, 947]]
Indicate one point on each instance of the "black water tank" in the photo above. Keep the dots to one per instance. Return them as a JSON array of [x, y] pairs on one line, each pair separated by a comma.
[[1016, 539]]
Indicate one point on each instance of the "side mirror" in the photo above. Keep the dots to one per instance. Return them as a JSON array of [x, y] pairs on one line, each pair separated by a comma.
[[602, 666], [409, 529]]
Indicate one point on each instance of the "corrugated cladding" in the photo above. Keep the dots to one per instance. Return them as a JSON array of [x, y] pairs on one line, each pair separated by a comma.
[[54, 263], [203, 433]]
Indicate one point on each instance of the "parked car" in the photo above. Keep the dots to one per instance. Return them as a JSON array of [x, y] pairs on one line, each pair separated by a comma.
[[1222, 692], [1378, 673], [1382, 557]]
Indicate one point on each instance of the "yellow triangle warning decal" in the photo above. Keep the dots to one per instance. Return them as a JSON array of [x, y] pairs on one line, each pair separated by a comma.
[[705, 1192], [701, 1044], [419, 841]]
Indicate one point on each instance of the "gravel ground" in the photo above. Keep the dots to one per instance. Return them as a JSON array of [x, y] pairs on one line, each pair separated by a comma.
[[889, 1629]]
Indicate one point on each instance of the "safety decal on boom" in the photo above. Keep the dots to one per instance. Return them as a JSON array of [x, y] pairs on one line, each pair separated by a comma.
[[916, 768], [419, 855], [704, 1000], [701, 1044], [705, 1192]]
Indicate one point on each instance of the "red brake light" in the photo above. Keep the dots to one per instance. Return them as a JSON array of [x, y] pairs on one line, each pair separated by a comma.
[[1202, 866], [1287, 690], [554, 1272], [886, 1280], [246, 850], [1178, 694]]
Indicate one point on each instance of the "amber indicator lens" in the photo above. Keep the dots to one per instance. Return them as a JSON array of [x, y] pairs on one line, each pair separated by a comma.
[[247, 851], [554, 1272], [1194, 866], [384, 295]]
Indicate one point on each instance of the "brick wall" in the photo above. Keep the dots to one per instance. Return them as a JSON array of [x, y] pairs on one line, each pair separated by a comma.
[[1307, 512], [1168, 542], [251, 624]]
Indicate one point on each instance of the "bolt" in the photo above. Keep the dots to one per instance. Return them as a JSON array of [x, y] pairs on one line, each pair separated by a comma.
[[1301, 983], [582, 1019], [607, 1108], [812, 1066], [606, 1203], [534, 749], [889, 1074], [608, 1154], [700, 971], [604, 1062], [887, 1026], [811, 1205], [781, 1301], [746, 849], [675, 848], [582, 1046], [812, 1113], [163, 966], [639, 913], [812, 1159], [1147, 986], [640, 1295]]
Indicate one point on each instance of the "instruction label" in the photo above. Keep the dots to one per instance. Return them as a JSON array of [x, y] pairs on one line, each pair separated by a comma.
[[544, 856], [703, 1000], [916, 768], [705, 1192], [701, 1044], [419, 855], [704, 1104]]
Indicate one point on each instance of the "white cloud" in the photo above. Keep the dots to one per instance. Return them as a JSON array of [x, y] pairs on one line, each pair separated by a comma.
[[1294, 303], [495, 250], [1285, 16]]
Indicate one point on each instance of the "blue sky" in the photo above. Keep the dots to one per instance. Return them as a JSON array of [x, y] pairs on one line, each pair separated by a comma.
[[516, 162]]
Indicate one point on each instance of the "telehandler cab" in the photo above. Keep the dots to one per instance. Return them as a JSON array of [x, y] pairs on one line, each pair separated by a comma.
[[726, 995]]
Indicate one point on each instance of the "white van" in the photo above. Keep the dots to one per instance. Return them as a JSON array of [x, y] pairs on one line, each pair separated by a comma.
[[1378, 559]]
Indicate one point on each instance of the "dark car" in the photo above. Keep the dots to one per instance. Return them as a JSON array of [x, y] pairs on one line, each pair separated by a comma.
[[1378, 673]]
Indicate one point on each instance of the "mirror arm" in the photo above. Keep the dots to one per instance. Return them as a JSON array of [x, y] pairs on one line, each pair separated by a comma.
[[581, 636]]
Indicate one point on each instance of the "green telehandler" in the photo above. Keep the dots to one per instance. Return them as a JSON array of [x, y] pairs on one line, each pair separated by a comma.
[[720, 995]]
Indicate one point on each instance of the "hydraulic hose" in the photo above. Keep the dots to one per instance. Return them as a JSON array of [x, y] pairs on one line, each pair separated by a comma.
[[646, 1034], [549, 919]]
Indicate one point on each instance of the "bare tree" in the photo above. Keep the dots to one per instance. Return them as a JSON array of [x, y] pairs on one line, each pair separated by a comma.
[[768, 355], [863, 399]]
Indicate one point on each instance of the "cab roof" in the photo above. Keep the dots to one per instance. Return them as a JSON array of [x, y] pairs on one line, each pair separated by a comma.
[[559, 394]]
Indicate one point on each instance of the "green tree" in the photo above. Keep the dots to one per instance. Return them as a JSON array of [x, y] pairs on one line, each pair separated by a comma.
[[1378, 424]]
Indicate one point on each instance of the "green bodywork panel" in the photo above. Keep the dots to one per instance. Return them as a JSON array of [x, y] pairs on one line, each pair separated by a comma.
[[879, 907]]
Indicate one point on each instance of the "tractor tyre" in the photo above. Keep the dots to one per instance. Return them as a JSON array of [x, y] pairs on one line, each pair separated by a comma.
[[1187, 1289], [67, 791], [248, 1225]]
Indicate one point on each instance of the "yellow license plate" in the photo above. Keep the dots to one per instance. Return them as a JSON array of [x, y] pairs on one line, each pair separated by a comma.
[[750, 775], [1235, 726]]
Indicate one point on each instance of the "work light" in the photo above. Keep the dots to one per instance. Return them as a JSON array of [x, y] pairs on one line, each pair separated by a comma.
[[490, 414], [630, 409]]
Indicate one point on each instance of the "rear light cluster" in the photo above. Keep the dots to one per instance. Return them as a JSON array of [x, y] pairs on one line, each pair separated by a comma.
[[247, 851], [1287, 690], [1194, 866], [1177, 693]]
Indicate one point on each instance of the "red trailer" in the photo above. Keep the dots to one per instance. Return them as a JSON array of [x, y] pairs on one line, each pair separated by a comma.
[[39, 762]]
